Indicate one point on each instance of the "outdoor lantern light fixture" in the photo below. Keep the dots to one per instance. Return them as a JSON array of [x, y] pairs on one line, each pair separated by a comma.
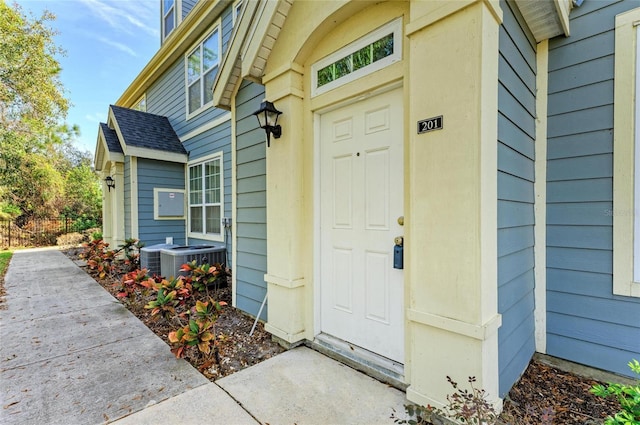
[[111, 183], [268, 118]]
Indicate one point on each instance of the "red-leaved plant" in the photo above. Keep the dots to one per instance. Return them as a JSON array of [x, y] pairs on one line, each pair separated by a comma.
[[200, 330]]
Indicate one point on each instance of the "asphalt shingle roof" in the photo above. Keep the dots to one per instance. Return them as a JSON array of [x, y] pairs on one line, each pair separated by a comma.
[[145, 130], [111, 138]]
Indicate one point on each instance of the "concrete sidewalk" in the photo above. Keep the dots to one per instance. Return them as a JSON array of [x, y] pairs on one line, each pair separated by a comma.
[[72, 354]]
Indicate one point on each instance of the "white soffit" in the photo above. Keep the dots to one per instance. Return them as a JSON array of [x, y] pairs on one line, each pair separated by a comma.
[[263, 37], [546, 18]]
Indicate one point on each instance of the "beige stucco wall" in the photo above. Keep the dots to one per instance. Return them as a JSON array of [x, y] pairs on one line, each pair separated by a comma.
[[449, 67]]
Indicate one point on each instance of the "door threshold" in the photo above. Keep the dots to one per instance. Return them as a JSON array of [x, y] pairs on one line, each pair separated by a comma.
[[372, 364]]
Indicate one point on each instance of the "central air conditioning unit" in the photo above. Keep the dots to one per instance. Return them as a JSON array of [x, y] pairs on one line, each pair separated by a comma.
[[150, 257], [171, 259]]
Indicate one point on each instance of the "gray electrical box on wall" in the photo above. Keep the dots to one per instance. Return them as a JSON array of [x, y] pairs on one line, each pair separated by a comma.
[[170, 203]]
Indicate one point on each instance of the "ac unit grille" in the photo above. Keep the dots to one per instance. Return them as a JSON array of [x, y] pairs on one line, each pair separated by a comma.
[[172, 259], [150, 257]]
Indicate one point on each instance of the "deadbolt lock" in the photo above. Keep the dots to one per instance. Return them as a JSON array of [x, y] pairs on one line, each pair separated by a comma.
[[401, 220]]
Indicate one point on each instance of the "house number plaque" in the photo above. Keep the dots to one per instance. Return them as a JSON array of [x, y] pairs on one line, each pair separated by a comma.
[[430, 124]]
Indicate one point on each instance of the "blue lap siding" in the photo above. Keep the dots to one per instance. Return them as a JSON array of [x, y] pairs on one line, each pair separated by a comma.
[[586, 323], [516, 135], [167, 97], [251, 201], [207, 143], [158, 174], [187, 5]]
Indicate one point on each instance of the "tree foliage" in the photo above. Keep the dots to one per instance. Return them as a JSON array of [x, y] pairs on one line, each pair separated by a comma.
[[31, 94], [42, 173]]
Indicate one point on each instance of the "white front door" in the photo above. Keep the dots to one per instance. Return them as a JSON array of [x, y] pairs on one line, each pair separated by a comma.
[[361, 198]]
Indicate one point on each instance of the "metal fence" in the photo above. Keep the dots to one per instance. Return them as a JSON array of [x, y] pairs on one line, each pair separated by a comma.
[[37, 232]]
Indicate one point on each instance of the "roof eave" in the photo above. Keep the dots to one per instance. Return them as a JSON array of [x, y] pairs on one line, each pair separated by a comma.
[[166, 156], [203, 14], [267, 27], [103, 155], [229, 76], [546, 18], [99, 152], [250, 46]]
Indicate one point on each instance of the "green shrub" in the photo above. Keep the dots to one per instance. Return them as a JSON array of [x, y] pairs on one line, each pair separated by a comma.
[[627, 395], [83, 223]]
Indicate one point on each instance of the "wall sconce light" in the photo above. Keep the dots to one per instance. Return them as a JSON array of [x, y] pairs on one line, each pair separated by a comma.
[[268, 118], [111, 183]]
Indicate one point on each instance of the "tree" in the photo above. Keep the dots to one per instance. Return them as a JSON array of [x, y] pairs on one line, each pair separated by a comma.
[[82, 188], [31, 94], [41, 172]]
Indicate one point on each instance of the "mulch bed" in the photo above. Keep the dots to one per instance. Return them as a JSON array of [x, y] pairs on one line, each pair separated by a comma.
[[235, 348], [565, 396], [542, 393]]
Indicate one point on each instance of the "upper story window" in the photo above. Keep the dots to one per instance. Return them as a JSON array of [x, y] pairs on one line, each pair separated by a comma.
[[374, 51], [201, 69], [169, 17], [141, 104], [237, 8], [626, 156]]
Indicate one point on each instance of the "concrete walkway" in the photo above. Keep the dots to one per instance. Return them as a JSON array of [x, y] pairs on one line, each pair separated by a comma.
[[71, 354]]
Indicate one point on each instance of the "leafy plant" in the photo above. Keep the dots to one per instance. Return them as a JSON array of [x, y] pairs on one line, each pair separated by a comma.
[[95, 247], [131, 249], [132, 282], [465, 406], [202, 276], [9, 211], [180, 285], [165, 302], [628, 396], [196, 333], [199, 330], [208, 310], [99, 258], [470, 406]]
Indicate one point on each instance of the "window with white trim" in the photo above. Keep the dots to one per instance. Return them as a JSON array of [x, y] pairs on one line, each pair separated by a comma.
[[626, 156], [169, 17], [235, 14], [141, 104], [374, 51], [201, 70], [206, 198]]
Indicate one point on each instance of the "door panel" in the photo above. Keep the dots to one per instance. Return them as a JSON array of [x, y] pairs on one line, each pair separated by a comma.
[[361, 172]]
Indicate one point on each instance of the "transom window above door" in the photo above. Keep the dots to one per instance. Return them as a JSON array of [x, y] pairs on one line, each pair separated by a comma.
[[374, 51], [201, 69]]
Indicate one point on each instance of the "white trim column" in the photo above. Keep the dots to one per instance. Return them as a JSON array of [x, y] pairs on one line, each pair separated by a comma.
[[117, 205], [107, 209], [540, 206]]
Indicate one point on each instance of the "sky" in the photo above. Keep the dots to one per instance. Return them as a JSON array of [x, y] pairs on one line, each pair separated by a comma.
[[107, 43]]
